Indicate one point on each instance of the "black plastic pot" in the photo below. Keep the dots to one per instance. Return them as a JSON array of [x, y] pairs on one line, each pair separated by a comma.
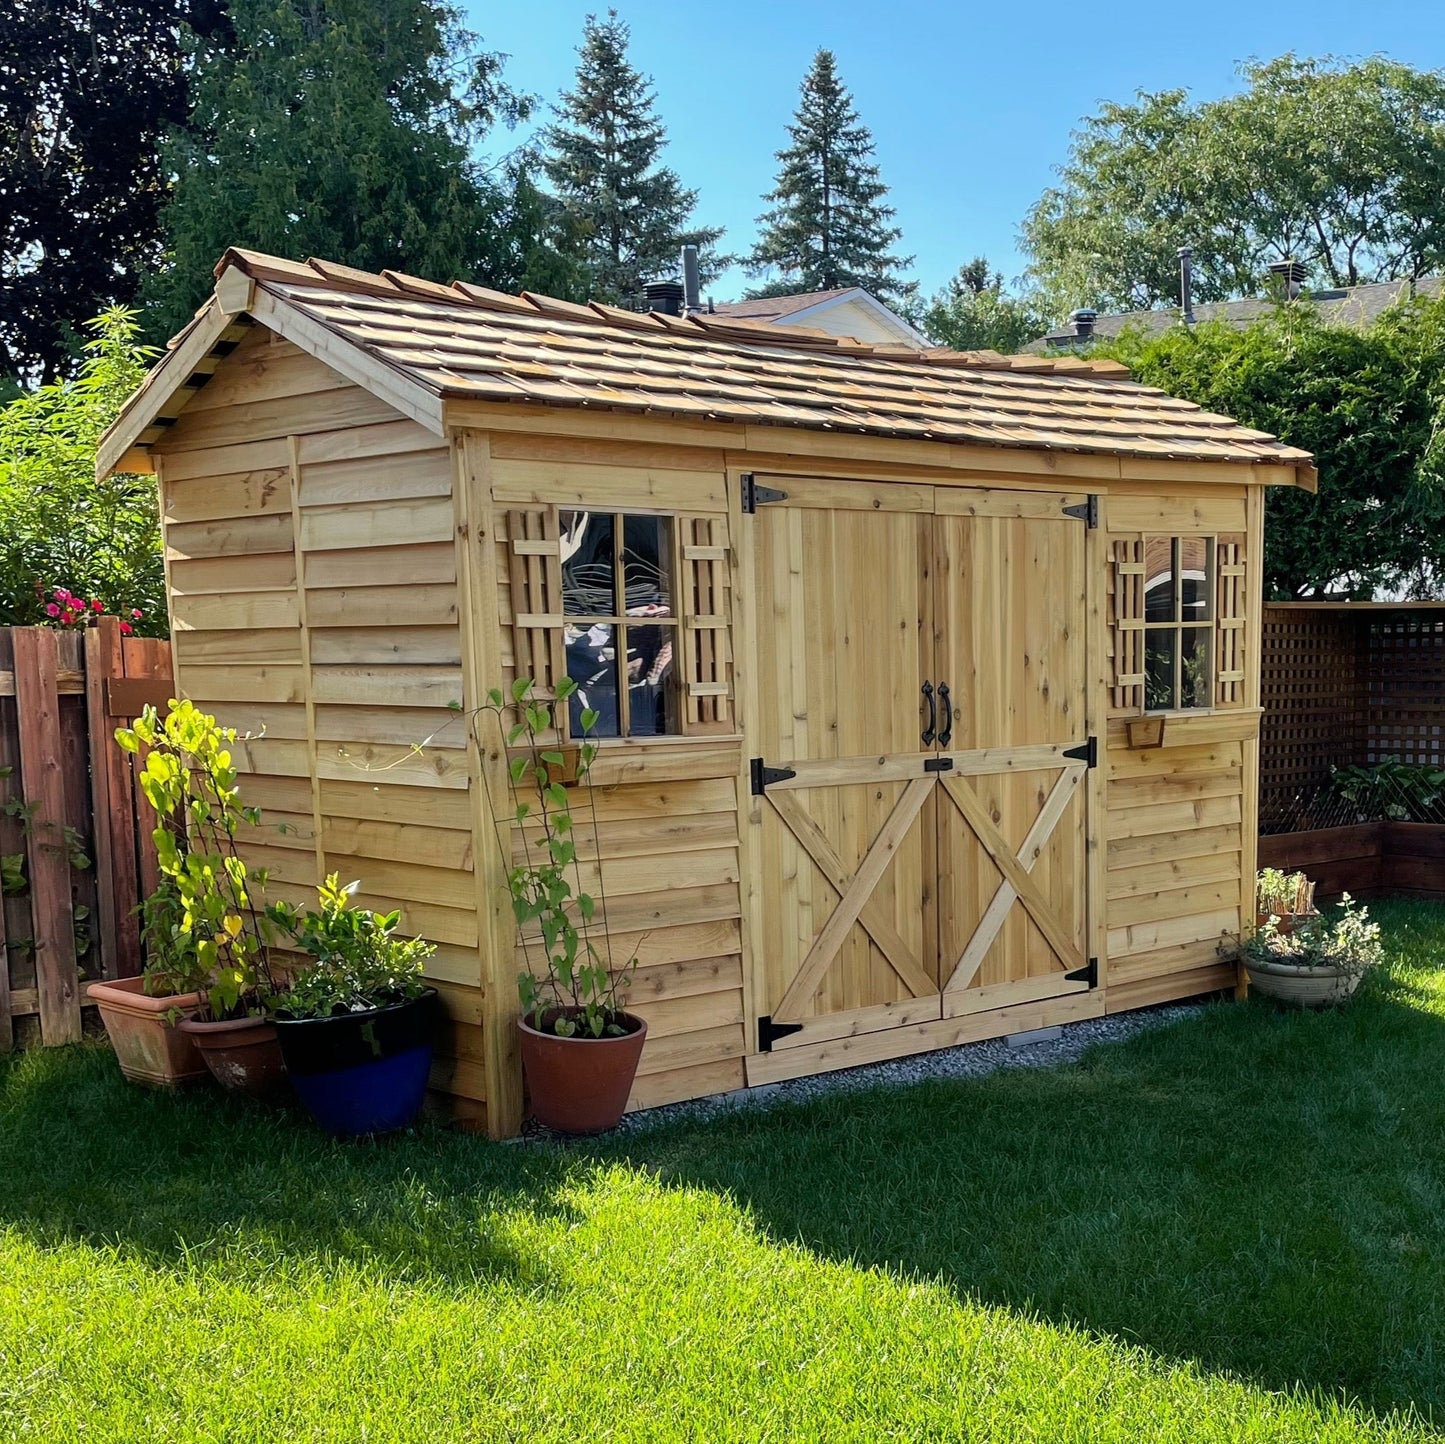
[[362, 1072]]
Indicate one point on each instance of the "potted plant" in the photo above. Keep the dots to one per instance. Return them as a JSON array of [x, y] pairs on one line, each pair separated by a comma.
[[1320, 962], [580, 1047], [189, 781], [1287, 898], [356, 1024], [140, 1014]]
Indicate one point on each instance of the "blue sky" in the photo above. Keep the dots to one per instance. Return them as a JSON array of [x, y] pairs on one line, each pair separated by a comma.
[[971, 106]]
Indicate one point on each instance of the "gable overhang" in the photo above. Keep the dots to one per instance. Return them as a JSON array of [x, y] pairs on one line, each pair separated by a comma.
[[906, 334], [237, 303]]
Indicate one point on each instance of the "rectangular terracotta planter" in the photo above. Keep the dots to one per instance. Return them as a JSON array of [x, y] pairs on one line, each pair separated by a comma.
[[148, 1046]]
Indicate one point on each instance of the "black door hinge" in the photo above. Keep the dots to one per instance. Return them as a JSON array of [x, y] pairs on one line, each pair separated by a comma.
[[1089, 974], [755, 496], [1086, 511], [1085, 752], [763, 775], [768, 1031], [938, 764]]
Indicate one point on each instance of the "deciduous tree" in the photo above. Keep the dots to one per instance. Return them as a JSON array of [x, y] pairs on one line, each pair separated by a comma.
[[87, 92], [1341, 166], [973, 312]]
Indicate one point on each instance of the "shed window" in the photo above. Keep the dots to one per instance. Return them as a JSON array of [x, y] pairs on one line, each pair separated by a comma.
[[620, 625], [1177, 606], [1178, 622]]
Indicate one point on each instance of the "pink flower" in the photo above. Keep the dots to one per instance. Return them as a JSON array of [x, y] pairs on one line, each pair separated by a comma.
[[96, 605], [136, 613], [126, 628], [51, 610]]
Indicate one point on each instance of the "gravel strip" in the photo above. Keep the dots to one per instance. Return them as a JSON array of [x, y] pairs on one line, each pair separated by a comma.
[[970, 1060]]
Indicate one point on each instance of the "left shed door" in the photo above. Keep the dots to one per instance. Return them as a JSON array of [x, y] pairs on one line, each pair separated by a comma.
[[847, 841]]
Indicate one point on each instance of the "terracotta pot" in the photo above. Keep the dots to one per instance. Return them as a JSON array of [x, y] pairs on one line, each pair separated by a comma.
[[242, 1054], [148, 1045], [1306, 987], [580, 1085]]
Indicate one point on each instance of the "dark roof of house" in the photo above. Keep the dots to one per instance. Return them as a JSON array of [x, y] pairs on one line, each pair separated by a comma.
[[769, 308], [1353, 306]]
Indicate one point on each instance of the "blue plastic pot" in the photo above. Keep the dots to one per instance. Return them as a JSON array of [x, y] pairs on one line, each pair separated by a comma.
[[362, 1072]]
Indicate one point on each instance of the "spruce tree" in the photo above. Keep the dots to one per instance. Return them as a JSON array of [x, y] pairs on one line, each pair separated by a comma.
[[342, 129], [829, 225], [627, 214]]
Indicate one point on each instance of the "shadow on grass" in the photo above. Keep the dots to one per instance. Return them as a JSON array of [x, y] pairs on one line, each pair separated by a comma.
[[182, 1179], [1260, 1192]]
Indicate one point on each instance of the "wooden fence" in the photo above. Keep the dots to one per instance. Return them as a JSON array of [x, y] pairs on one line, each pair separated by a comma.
[[75, 850]]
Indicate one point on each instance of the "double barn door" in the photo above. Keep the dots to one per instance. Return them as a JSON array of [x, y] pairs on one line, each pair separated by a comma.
[[921, 719]]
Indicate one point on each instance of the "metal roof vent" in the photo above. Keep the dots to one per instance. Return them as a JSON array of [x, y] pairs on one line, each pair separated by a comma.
[[665, 296], [1292, 275], [1082, 321]]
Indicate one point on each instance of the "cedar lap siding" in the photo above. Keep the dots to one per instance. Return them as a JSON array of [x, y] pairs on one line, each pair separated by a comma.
[[883, 610]]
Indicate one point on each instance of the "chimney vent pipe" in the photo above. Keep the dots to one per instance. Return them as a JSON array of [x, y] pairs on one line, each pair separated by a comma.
[[1082, 321], [691, 281], [1186, 285]]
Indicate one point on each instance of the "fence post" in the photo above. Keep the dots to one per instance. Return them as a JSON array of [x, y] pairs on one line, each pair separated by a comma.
[[103, 807], [121, 815], [38, 707]]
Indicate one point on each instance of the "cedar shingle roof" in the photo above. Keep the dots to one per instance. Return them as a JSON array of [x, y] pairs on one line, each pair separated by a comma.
[[464, 341]]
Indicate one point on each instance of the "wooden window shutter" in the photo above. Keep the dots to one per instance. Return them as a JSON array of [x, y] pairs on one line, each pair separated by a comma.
[[1126, 623], [534, 568], [705, 605], [1229, 613]]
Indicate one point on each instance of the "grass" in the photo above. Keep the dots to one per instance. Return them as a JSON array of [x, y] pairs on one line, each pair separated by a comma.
[[1229, 1229]]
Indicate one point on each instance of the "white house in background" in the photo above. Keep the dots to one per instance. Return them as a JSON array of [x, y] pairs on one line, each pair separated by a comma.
[[848, 311]]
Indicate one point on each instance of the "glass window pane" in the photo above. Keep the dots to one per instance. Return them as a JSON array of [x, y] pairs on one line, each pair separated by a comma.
[[1159, 648], [1195, 578], [592, 664], [651, 680], [647, 565], [589, 584], [1194, 670], [1159, 579]]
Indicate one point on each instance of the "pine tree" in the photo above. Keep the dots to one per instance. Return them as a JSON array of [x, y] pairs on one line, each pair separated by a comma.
[[627, 213], [829, 226], [342, 129]]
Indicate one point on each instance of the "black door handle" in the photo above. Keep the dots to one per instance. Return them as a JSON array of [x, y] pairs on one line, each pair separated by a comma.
[[932, 728], [946, 736]]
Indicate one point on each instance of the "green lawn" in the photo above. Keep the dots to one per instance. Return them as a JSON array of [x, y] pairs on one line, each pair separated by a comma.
[[1229, 1229]]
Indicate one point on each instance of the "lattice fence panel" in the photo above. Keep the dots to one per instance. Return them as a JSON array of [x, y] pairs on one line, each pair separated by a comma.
[[1405, 687], [1312, 690]]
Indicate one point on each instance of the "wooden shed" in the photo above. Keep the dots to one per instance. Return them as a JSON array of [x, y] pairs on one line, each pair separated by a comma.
[[929, 681]]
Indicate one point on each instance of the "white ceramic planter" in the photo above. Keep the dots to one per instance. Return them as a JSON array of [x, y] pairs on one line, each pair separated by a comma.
[[1303, 986]]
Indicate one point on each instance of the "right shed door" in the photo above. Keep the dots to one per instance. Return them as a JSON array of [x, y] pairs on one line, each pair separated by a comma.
[[1010, 647]]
